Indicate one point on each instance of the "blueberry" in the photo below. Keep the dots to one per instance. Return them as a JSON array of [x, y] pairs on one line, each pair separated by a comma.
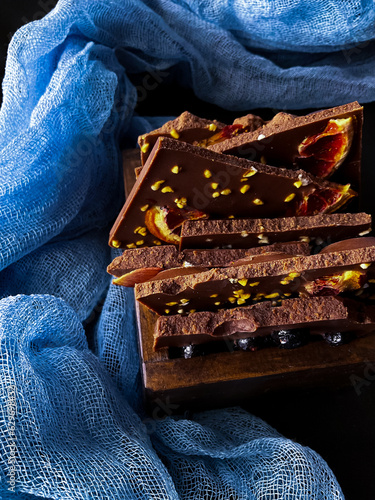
[[248, 344], [337, 338], [290, 339]]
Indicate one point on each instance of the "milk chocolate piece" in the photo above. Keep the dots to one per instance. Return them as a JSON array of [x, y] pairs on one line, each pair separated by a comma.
[[167, 257], [186, 127], [305, 142], [242, 233], [269, 278], [180, 182], [320, 315]]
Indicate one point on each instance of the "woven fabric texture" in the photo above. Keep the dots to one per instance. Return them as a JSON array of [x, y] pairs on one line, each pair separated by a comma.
[[71, 419]]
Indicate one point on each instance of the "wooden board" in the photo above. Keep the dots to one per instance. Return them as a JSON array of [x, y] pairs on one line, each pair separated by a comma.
[[228, 378]]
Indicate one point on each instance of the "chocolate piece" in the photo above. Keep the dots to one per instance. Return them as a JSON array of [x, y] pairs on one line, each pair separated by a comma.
[[167, 256], [320, 314], [249, 122], [242, 233], [321, 274], [186, 127], [306, 142], [181, 182]]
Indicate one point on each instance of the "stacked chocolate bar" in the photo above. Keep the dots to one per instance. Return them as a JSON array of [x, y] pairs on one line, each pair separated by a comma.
[[237, 233]]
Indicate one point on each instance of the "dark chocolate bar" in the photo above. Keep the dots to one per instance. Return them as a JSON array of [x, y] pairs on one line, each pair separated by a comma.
[[261, 277], [320, 315], [318, 143], [140, 264], [186, 128], [180, 182], [244, 233]]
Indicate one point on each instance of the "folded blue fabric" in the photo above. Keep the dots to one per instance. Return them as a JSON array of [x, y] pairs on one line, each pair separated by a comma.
[[72, 424]]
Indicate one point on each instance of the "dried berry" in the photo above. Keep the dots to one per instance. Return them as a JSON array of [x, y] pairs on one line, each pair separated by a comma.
[[226, 133], [290, 339], [323, 153], [338, 338]]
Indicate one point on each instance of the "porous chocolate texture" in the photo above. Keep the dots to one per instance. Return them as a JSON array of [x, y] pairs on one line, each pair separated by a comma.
[[167, 256], [186, 127], [242, 233], [261, 277], [319, 143], [320, 315], [180, 182]]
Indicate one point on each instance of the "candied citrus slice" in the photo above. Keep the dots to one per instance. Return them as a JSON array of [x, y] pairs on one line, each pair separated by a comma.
[[323, 153], [325, 200], [226, 133], [162, 221], [335, 284]]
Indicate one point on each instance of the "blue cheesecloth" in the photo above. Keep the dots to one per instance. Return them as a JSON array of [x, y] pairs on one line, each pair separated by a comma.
[[71, 417]]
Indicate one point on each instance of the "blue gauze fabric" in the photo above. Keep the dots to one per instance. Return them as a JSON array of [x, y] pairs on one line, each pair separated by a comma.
[[71, 417]]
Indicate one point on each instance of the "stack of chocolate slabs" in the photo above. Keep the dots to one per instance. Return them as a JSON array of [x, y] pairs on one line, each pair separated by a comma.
[[249, 233]]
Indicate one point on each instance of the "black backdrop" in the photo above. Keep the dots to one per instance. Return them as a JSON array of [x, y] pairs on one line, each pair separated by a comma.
[[339, 424]]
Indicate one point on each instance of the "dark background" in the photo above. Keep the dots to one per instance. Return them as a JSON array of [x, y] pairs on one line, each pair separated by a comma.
[[338, 424]]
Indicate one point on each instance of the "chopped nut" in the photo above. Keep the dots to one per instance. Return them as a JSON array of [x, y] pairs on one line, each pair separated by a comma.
[[130, 245], [252, 171], [180, 202], [264, 241], [217, 303], [304, 239], [232, 299], [271, 296], [214, 185], [140, 242], [243, 282], [257, 201], [225, 192], [175, 134], [216, 194], [363, 233], [245, 188], [157, 242], [192, 311], [290, 197], [284, 282], [241, 301], [287, 294], [207, 173], [145, 147], [167, 189], [214, 295], [254, 283], [184, 301], [365, 265], [294, 275], [167, 311], [244, 234], [172, 303], [157, 185], [176, 169], [212, 127], [261, 136], [230, 216], [297, 184], [180, 311], [116, 243], [144, 208]]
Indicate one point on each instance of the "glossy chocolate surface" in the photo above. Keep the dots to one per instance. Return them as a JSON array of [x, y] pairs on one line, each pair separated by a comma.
[[191, 179]]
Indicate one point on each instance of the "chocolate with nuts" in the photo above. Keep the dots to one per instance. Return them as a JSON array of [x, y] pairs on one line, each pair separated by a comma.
[[186, 128], [263, 277], [319, 143], [181, 182], [141, 264], [243, 233], [320, 314]]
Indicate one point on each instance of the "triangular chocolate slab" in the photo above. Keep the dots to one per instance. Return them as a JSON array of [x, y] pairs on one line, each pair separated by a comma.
[[180, 181]]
